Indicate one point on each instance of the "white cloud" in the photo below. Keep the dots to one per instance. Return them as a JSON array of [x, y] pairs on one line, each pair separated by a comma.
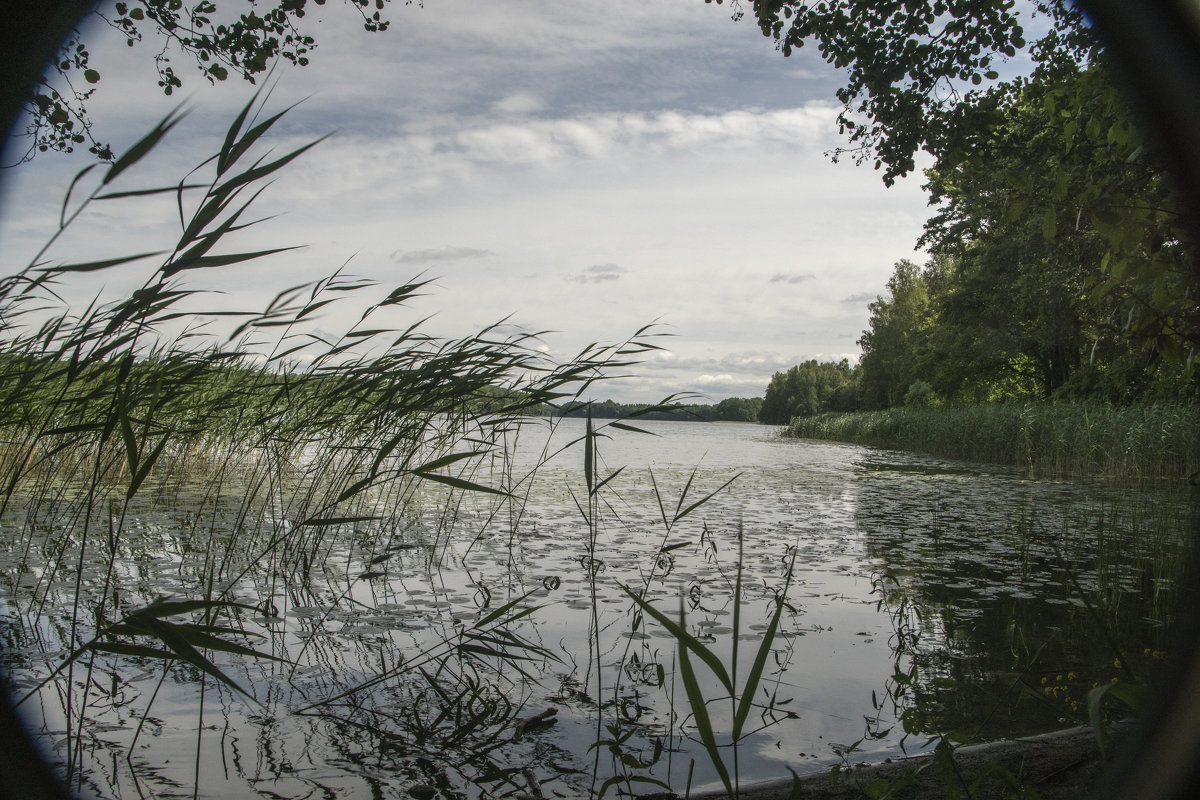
[[438, 254], [557, 142], [599, 273], [519, 103], [708, 380], [783, 277]]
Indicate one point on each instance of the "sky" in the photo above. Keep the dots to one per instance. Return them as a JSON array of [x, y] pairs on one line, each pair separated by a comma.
[[584, 168]]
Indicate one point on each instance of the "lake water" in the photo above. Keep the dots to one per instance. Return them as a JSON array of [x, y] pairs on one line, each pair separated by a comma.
[[925, 597]]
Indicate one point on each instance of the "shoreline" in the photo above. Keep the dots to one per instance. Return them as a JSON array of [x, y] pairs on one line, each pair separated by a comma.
[[1060, 764]]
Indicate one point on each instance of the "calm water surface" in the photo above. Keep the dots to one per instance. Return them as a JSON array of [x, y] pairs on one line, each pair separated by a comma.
[[977, 600]]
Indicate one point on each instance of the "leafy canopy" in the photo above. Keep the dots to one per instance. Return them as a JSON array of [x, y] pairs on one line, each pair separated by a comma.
[[916, 70]]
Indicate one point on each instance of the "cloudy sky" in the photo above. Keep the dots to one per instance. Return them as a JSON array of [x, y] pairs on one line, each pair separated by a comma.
[[583, 168]]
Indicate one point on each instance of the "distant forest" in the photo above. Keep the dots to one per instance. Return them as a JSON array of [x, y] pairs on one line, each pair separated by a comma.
[[733, 409]]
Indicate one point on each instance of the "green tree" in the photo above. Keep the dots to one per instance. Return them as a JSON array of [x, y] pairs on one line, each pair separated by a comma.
[[1055, 159], [810, 388], [1065, 248], [897, 339], [739, 409]]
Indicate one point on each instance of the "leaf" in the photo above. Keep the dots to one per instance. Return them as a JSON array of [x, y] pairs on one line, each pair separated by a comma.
[[632, 429], [143, 145], [460, 483], [589, 457], [165, 607], [1049, 224], [91, 76], [684, 638], [196, 636], [605, 482], [234, 148], [703, 722], [437, 463], [499, 612], [208, 262], [93, 266], [746, 702], [177, 641], [355, 488], [324, 522], [135, 650], [1128, 692], [139, 475], [255, 173], [131, 445], [681, 514], [147, 192]]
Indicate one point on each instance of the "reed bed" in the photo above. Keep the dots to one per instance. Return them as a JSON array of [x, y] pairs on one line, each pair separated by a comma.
[[1139, 442], [294, 446]]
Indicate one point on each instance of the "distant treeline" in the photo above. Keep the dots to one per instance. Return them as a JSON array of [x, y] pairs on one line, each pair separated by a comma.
[[733, 409]]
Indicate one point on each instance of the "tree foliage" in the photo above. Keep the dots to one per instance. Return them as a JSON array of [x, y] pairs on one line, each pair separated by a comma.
[[810, 388], [220, 37], [915, 69], [1062, 263], [892, 348]]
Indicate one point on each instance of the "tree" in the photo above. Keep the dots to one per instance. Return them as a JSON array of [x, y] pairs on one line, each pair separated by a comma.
[[914, 68], [220, 40], [894, 345], [809, 388], [738, 409], [1065, 240]]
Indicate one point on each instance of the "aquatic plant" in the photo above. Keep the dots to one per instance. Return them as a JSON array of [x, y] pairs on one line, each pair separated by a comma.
[[1049, 439], [741, 698], [302, 447]]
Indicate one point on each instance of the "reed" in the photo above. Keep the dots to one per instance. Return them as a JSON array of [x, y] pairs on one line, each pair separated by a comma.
[[299, 445], [1139, 442]]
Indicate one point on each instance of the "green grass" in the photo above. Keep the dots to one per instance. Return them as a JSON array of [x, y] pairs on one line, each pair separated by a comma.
[[1053, 439]]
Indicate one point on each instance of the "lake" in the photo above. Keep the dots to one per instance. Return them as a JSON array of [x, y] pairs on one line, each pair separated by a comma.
[[916, 597]]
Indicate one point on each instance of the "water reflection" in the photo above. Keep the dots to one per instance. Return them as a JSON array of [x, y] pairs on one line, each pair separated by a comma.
[[1013, 598], [416, 649]]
